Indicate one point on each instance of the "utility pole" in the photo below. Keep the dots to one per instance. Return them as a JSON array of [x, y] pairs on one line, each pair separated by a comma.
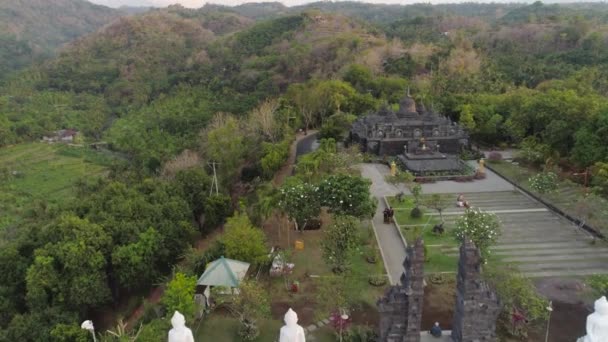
[[214, 182]]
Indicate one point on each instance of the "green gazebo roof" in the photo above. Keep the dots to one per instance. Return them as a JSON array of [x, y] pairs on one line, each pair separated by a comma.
[[224, 272]]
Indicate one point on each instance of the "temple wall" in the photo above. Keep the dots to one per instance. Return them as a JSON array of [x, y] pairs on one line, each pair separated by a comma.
[[395, 147]]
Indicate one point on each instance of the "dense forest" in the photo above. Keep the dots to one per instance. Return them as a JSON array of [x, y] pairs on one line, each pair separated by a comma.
[[170, 88], [32, 30]]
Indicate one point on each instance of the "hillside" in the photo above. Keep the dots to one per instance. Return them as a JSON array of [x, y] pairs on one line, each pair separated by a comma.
[[31, 30]]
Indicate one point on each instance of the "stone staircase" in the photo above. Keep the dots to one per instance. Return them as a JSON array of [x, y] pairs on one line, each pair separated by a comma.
[[536, 240]]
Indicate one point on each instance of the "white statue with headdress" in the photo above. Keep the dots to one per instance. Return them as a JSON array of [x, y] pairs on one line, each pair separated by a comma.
[[291, 331], [597, 323], [180, 333]]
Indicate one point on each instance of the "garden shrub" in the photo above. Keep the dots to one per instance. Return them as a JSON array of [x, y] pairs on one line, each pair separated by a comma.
[[543, 182], [481, 227], [377, 280], [599, 283], [248, 330], [518, 296], [416, 213], [359, 333]]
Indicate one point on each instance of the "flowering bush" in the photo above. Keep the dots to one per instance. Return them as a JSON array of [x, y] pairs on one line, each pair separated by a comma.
[[339, 242], [300, 201], [543, 182], [480, 227], [347, 195]]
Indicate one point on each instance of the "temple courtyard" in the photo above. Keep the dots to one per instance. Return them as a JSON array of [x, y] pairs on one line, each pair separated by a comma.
[[539, 242]]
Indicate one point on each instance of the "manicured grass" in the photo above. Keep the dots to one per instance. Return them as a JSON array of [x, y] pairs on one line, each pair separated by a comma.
[[217, 327], [437, 249], [41, 172], [406, 202], [404, 218]]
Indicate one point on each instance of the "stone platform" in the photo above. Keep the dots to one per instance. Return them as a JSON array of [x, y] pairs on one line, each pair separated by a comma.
[[426, 337]]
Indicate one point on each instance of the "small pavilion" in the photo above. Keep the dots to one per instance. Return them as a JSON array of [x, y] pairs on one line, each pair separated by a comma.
[[223, 272]]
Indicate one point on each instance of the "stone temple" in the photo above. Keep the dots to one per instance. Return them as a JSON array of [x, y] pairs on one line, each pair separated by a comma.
[[423, 141]]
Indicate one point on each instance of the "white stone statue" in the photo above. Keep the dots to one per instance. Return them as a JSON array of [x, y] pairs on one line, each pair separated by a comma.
[[291, 331], [180, 333], [597, 323]]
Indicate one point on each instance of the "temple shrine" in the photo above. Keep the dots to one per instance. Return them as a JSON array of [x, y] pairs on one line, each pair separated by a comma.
[[423, 141]]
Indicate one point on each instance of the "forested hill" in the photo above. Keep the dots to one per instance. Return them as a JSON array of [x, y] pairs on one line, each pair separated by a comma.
[[139, 67], [33, 29]]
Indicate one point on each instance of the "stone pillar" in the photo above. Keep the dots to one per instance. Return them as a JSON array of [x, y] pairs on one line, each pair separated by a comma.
[[477, 306], [401, 307]]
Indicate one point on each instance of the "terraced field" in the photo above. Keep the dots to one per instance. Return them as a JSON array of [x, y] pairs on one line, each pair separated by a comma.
[[33, 173]]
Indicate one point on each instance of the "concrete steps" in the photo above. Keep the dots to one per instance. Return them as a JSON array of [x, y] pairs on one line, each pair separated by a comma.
[[536, 240]]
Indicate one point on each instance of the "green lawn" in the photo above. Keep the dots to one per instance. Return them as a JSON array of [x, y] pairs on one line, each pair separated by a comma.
[[441, 255], [216, 327], [35, 172]]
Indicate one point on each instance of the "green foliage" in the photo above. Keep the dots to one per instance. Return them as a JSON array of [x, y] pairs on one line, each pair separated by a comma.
[[33, 30], [439, 203], [70, 270], [600, 177], [599, 284], [166, 126], [179, 295], [250, 305], [467, 118], [416, 190], [517, 295], [194, 185], [341, 239], [480, 227], [136, 264], [360, 333], [224, 144], [154, 331], [300, 201], [244, 242], [533, 152], [274, 157], [254, 40], [336, 126], [69, 333], [416, 213], [347, 195], [543, 182], [402, 177], [217, 208]]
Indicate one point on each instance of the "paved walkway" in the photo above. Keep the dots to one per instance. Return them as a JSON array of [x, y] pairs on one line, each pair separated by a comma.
[[492, 182], [391, 245]]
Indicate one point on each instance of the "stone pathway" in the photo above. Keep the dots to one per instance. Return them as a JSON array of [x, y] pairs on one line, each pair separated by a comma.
[[392, 247]]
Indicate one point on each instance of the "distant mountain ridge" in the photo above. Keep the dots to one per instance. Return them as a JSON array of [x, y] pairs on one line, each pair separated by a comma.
[[31, 30]]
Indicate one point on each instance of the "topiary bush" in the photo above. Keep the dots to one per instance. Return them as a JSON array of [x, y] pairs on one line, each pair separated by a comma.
[[416, 213], [377, 280]]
